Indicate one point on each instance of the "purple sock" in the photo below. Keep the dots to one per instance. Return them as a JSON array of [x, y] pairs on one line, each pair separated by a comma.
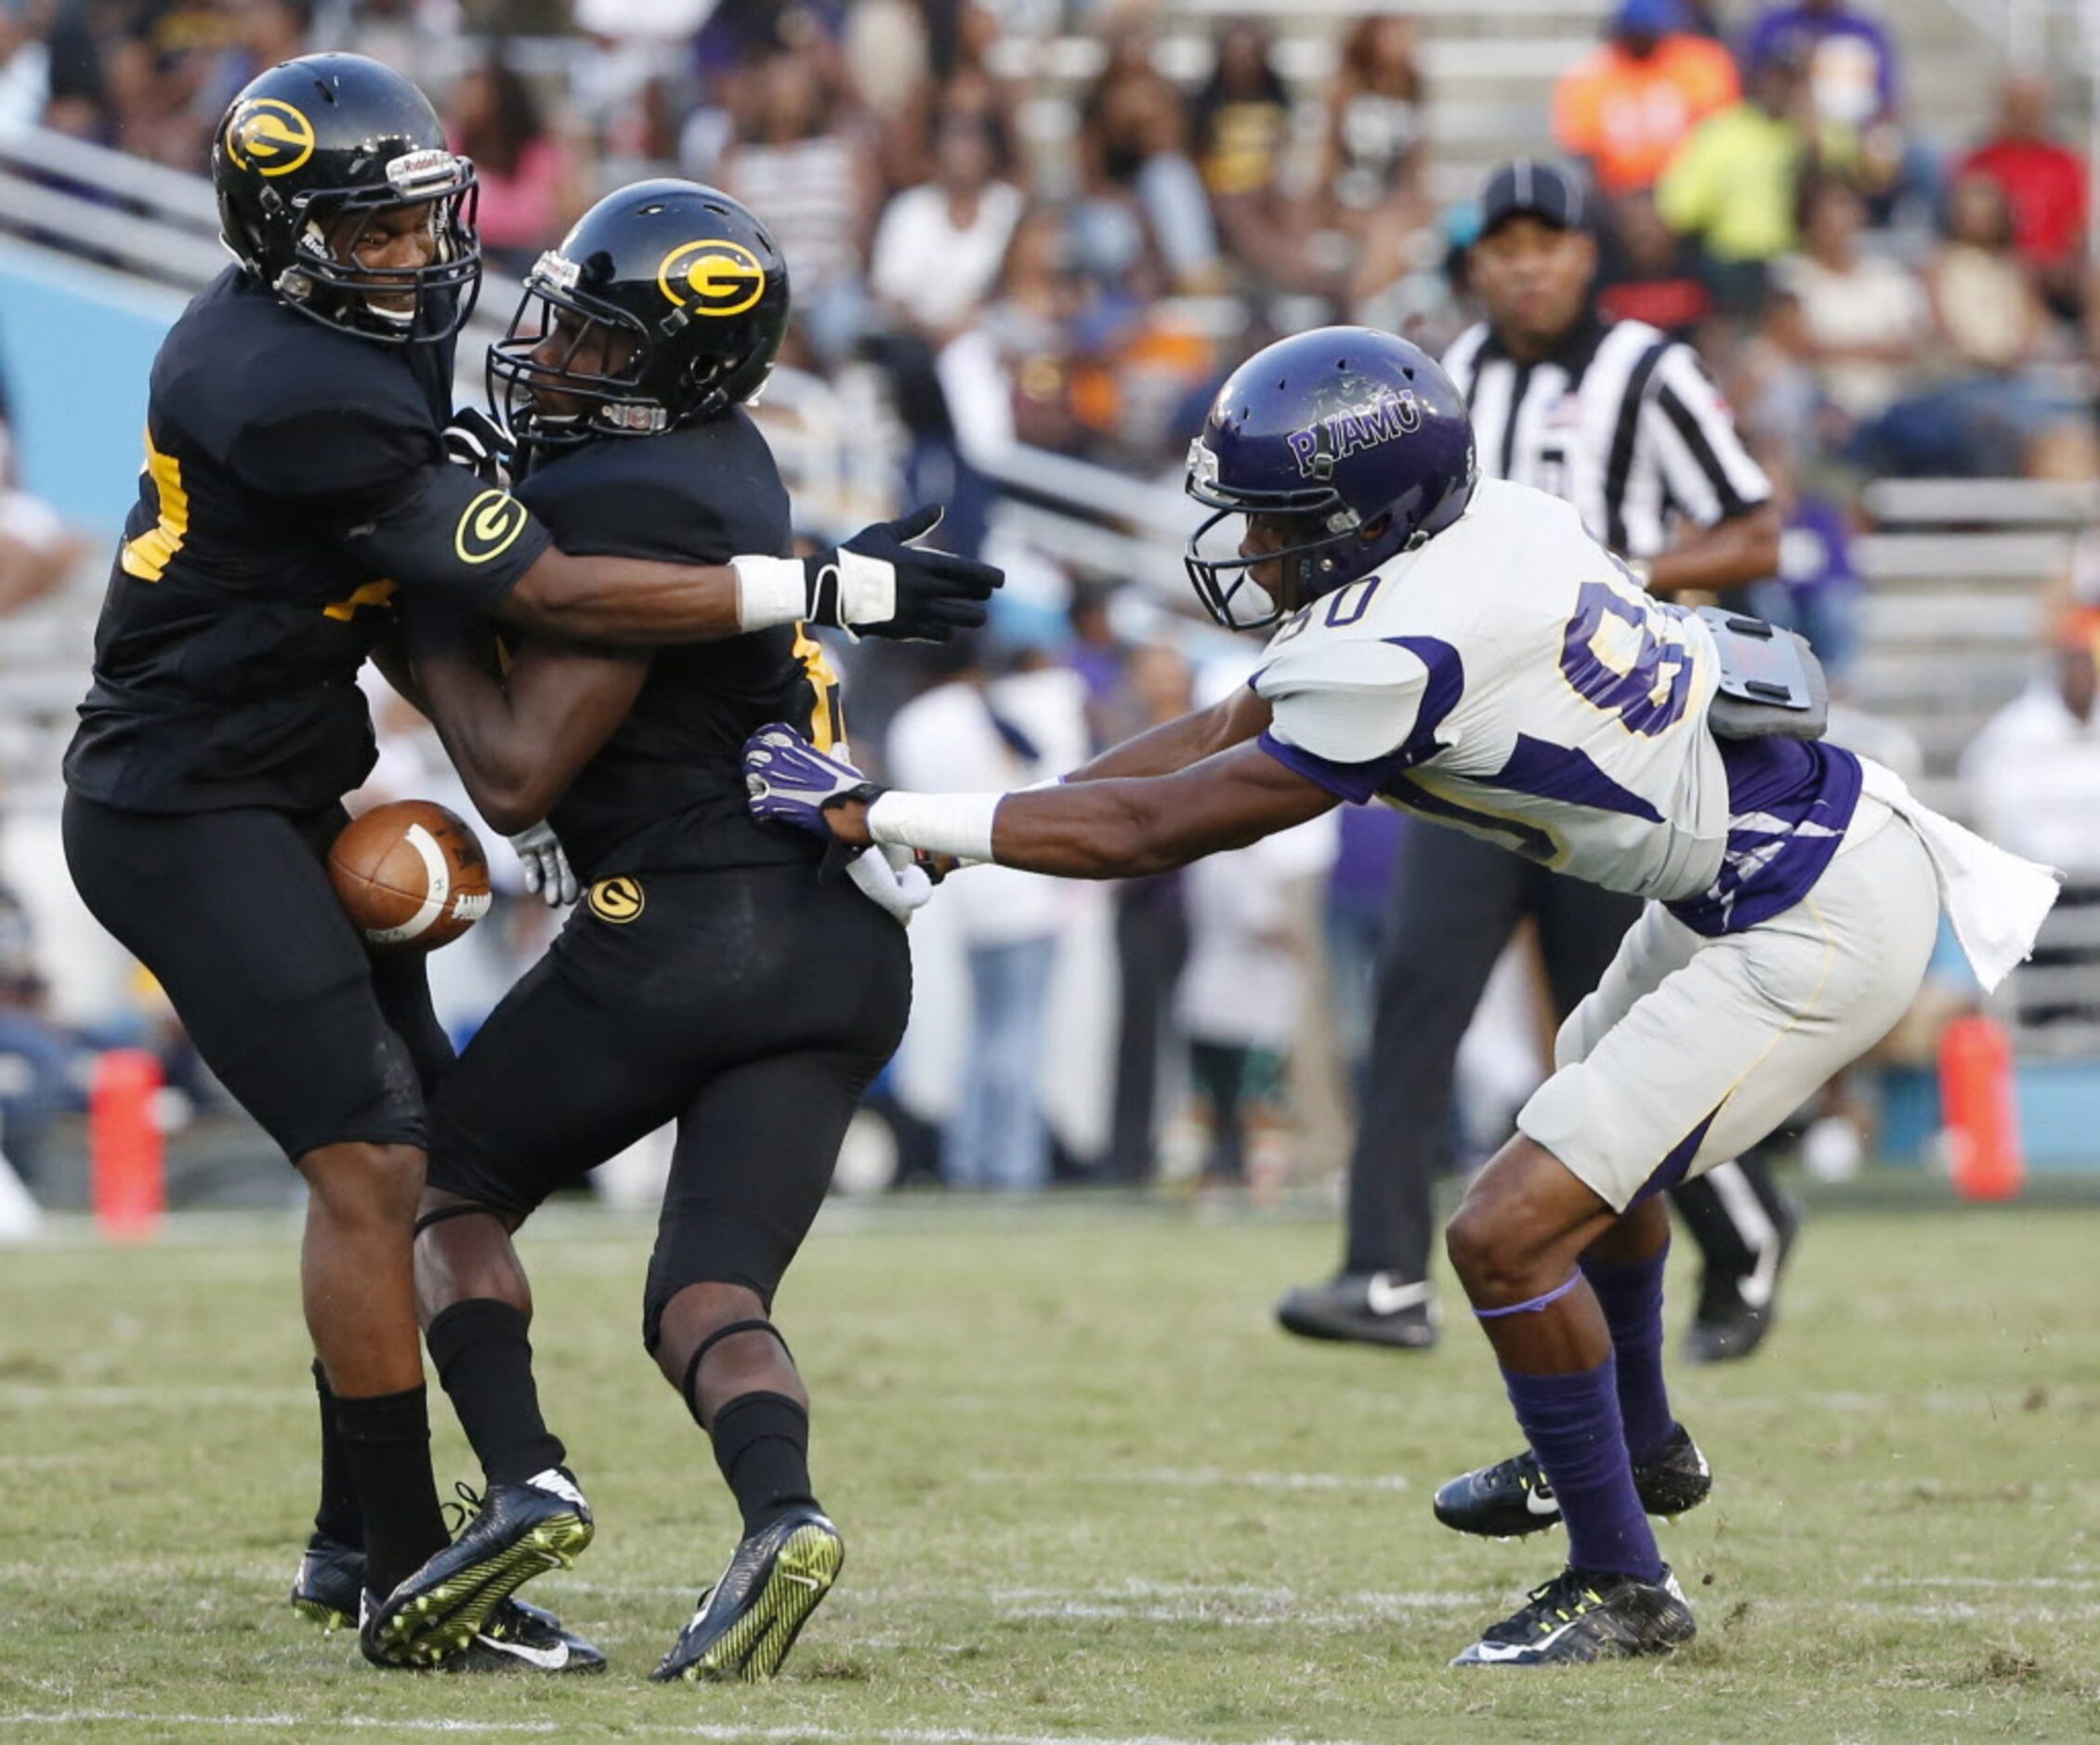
[[1572, 1422], [1631, 1297]]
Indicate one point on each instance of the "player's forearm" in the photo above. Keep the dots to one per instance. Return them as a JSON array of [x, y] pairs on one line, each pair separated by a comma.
[[1102, 830], [475, 720], [1741, 549], [630, 601], [1180, 742]]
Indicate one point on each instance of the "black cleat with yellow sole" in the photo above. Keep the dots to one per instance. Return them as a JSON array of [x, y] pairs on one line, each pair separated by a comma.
[[1585, 1614], [1513, 1497], [516, 1532], [748, 1621], [331, 1580]]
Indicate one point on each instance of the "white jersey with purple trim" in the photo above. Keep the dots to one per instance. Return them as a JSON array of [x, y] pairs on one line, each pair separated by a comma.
[[1510, 678]]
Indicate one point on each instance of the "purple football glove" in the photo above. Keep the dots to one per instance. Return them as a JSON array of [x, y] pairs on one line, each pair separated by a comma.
[[791, 782]]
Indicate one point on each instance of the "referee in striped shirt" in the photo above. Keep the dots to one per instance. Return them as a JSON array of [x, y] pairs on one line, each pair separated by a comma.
[[1623, 422]]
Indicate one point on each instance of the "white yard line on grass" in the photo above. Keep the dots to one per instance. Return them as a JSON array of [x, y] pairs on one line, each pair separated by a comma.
[[870, 1736]]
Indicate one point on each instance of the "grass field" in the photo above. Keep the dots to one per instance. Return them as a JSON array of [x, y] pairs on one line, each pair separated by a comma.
[[1089, 1493]]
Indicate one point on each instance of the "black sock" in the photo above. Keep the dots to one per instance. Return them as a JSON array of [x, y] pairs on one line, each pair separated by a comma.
[[339, 1517], [762, 1446], [387, 1446], [483, 1351]]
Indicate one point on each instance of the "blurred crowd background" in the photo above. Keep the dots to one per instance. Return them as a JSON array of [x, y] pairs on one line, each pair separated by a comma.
[[1026, 238]]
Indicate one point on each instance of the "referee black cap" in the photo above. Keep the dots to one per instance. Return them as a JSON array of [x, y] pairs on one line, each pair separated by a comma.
[[1532, 188]]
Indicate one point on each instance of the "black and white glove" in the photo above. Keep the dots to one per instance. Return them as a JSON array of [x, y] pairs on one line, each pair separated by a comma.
[[877, 583], [546, 866], [477, 442]]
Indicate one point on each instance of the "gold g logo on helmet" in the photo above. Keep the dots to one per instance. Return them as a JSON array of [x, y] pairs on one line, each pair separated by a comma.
[[711, 278], [489, 527], [271, 138]]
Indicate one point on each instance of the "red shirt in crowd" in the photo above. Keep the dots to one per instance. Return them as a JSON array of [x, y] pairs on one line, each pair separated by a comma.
[[2045, 184]]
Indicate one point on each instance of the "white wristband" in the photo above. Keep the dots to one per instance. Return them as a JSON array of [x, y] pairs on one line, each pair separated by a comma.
[[959, 824], [770, 591]]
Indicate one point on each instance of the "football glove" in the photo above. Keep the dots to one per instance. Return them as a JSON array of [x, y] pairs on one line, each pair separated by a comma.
[[476, 441], [546, 865], [792, 782], [878, 583], [892, 879]]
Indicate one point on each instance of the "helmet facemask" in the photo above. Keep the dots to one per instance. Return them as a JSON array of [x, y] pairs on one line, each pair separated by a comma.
[[522, 384], [1323, 546], [440, 295]]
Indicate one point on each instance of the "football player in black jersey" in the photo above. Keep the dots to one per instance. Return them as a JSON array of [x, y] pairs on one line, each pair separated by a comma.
[[296, 488], [712, 977]]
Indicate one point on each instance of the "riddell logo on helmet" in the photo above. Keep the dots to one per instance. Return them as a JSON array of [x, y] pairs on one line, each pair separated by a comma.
[[711, 278], [1318, 447], [271, 138]]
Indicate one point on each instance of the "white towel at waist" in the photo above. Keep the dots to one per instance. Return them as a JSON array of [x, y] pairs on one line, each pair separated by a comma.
[[1996, 899]]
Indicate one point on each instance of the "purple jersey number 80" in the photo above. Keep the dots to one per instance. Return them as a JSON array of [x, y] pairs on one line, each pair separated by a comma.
[[1648, 692]]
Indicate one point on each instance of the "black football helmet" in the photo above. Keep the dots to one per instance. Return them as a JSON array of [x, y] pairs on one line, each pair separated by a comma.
[[665, 305], [315, 139]]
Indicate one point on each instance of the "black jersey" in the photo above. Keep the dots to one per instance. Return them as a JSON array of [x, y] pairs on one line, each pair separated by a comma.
[[295, 479], [666, 791]]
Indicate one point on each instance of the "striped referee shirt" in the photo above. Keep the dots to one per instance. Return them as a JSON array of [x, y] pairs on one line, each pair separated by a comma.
[[1621, 421]]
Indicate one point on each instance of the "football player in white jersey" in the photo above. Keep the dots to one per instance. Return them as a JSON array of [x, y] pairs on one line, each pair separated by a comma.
[[1464, 650]]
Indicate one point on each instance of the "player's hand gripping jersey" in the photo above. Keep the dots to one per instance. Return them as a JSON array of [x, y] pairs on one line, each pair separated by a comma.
[[1509, 678], [294, 477]]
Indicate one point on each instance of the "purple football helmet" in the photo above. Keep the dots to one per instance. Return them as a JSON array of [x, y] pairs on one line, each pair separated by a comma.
[[1355, 441]]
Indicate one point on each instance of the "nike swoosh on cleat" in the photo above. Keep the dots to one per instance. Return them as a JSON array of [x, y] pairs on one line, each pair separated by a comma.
[[547, 1659], [804, 1581], [1382, 1296], [1489, 1653], [1537, 1503]]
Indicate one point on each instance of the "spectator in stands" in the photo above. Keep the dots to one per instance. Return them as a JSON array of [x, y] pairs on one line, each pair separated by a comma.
[[1626, 108], [1157, 686], [1987, 416], [38, 1080], [1241, 994], [1818, 589], [939, 247], [1647, 272], [78, 100], [1243, 131], [1864, 318], [2033, 772], [803, 162], [974, 731], [264, 32], [25, 72], [534, 183], [1850, 61], [2044, 182], [1376, 123], [1134, 140], [1733, 185], [37, 550]]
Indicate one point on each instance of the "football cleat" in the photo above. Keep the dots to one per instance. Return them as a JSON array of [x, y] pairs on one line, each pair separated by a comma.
[[1514, 1497], [1371, 1308], [748, 1621], [522, 1637], [330, 1583], [514, 1533], [1736, 1310], [1585, 1614]]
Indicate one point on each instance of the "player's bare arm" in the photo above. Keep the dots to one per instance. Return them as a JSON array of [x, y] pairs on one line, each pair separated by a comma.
[[1742, 548], [876, 584], [1112, 829], [519, 740], [1177, 744]]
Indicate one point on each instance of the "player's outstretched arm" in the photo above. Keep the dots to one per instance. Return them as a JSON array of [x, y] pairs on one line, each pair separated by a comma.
[[1177, 744], [877, 583], [519, 740], [1115, 828]]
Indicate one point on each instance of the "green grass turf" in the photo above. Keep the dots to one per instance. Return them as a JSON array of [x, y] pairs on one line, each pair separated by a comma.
[[1088, 1492]]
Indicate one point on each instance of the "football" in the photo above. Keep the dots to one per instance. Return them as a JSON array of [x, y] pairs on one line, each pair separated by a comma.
[[411, 874]]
